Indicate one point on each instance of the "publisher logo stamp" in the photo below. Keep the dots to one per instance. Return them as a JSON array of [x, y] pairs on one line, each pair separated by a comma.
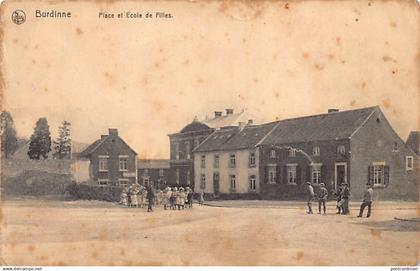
[[18, 17]]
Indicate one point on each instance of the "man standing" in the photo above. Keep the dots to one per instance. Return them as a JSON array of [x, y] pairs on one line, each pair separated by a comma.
[[322, 198], [345, 195], [311, 195], [151, 198], [367, 201]]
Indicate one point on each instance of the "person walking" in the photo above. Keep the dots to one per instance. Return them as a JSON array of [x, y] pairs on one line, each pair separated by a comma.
[[151, 198], [367, 201], [201, 199], [322, 198], [311, 195], [345, 195]]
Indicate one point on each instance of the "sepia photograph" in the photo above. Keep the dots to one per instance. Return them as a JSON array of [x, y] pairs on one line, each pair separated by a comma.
[[210, 133]]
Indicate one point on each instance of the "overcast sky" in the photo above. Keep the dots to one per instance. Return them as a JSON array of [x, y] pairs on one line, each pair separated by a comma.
[[150, 77]]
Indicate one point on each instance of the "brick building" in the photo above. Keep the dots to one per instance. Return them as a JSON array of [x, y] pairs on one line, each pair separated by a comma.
[[356, 146], [112, 160], [413, 141], [156, 172]]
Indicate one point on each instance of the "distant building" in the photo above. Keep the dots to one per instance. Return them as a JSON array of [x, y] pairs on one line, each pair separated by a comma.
[[228, 162], [112, 160], [155, 172], [413, 141], [191, 136], [276, 159]]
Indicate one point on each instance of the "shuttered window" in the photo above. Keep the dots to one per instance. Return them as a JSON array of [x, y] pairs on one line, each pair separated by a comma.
[[378, 175]]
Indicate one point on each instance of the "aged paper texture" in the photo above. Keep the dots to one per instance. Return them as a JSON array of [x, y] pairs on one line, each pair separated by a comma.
[[222, 117]]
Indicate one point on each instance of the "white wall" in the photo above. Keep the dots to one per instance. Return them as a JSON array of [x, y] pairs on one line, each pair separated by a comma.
[[242, 171], [80, 170]]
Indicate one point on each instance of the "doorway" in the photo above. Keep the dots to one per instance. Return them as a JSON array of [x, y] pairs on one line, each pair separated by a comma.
[[340, 174], [216, 183]]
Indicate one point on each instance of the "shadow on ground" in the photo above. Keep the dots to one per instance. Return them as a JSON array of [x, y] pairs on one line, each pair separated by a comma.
[[407, 225]]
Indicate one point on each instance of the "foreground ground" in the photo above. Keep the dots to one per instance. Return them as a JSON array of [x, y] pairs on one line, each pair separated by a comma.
[[50, 232]]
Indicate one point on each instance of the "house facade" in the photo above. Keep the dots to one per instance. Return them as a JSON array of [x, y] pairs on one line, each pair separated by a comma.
[[190, 137], [156, 172], [227, 162], [413, 141], [355, 147], [112, 161]]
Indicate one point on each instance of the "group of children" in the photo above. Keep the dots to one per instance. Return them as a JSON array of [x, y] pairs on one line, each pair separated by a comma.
[[173, 198], [342, 195]]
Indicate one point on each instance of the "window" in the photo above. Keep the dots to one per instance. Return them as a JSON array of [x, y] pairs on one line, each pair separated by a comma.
[[146, 172], [161, 172], [177, 176], [273, 154], [315, 151], [176, 150], [291, 174], [203, 181], [292, 152], [216, 161], [123, 164], [409, 163], [252, 183], [123, 182], [252, 159], [188, 177], [203, 161], [232, 161], [188, 149], [103, 163], [341, 149], [272, 173], [379, 174], [316, 174], [103, 181], [232, 183]]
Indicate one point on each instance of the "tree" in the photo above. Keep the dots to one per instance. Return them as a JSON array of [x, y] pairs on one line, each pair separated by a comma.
[[40, 144], [9, 141], [62, 146]]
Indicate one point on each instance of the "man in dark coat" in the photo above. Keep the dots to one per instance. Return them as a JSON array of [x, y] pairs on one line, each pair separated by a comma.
[[151, 198], [345, 195], [322, 198], [367, 201]]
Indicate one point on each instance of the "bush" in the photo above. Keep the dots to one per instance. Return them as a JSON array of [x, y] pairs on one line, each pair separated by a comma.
[[36, 183], [94, 192]]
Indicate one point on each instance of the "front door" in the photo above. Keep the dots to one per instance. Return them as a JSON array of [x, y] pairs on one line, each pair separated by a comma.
[[216, 182], [340, 174]]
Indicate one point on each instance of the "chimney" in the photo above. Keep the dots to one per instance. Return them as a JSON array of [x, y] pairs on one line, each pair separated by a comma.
[[113, 131], [217, 114], [250, 122], [103, 136], [229, 111], [333, 110]]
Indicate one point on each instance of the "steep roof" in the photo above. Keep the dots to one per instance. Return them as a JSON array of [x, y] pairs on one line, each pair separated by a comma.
[[194, 126], [329, 126], [152, 163], [88, 151], [92, 147], [217, 139], [234, 138]]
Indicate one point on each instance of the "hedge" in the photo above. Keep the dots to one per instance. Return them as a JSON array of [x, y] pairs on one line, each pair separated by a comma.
[[95, 192]]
